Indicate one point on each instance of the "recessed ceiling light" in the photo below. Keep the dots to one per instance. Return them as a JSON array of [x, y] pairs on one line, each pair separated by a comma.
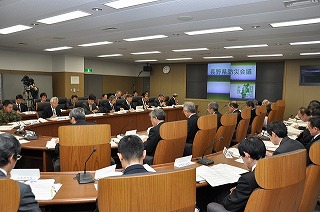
[[296, 23], [146, 38], [143, 61], [209, 31], [255, 26], [96, 9], [311, 53], [266, 55], [95, 44], [16, 28], [305, 43], [110, 55], [58, 48], [190, 50], [126, 3], [246, 46], [184, 58], [64, 17], [218, 57], [151, 52]]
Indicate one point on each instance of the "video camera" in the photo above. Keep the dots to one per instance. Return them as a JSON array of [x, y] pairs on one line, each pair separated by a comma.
[[27, 81]]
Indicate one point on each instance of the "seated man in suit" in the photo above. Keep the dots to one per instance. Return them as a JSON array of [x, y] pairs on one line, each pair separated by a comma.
[[304, 137], [157, 118], [127, 105], [77, 117], [314, 129], [173, 100], [53, 110], [71, 103], [131, 154], [89, 106], [135, 93], [189, 110], [118, 94], [213, 108], [43, 97], [251, 150], [19, 106], [7, 114], [160, 101], [278, 136], [9, 155], [233, 108], [144, 101], [104, 96], [250, 104], [109, 106]]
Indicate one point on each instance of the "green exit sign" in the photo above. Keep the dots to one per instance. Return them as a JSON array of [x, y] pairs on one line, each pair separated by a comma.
[[87, 70]]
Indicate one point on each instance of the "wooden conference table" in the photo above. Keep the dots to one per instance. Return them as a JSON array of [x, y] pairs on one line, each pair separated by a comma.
[[73, 193]]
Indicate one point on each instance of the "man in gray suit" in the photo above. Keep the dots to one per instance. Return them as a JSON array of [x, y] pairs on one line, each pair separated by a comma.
[[9, 155]]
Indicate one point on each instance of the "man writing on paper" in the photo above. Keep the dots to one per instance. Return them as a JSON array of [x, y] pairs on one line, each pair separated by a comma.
[[7, 114], [251, 150], [278, 136], [9, 155], [90, 106], [53, 110]]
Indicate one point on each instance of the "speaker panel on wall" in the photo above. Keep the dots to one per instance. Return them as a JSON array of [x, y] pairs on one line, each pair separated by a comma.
[[147, 68]]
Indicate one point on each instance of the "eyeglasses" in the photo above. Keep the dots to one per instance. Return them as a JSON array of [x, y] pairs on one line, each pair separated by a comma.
[[19, 157]]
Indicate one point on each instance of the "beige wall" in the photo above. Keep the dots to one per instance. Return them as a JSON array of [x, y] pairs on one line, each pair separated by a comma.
[[294, 95], [61, 82], [113, 83]]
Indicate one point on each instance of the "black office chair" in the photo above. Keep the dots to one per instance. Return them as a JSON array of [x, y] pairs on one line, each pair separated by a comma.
[[135, 100], [82, 98], [62, 102], [119, 103], [79, 103], [151, 100], [40, 106]]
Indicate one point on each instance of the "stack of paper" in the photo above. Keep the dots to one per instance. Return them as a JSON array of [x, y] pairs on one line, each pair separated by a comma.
[[270, 146], [25, 174], [220, 174], [44, 189]]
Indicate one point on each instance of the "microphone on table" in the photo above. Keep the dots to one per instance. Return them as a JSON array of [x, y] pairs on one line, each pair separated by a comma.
[[121, 132], [86, 177], [223, 107], [30, 134], [204, 160]]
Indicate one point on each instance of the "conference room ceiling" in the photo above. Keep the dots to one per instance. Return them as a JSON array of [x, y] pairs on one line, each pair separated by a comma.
[[171, 18]]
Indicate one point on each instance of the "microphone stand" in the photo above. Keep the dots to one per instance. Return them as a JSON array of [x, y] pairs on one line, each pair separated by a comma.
[[204, 160], [85, 177]]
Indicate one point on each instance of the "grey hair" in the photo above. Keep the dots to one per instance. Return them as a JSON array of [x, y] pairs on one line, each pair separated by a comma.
[[112, 97], [54, 99], [190, 107], [214, 106], [158, 113], [78, 113]]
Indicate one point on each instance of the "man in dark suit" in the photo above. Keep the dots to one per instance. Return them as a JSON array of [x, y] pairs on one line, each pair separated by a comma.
[[278, 136], [90, 106], [250, 104], [71, 103], [77, 117], [251, 150], [128, 105], [53, 110], [233, 108], [157, 117], [213, 108], [160, 101], [109, 106], [189, 110], [304, 137], [19, 106], [173, 100], [9, 155], [144, 101], [314, 129]]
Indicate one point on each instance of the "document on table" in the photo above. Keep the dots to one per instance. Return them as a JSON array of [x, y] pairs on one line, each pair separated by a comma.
[[220, 174], [44, 189], [270, 146], [6, 127]]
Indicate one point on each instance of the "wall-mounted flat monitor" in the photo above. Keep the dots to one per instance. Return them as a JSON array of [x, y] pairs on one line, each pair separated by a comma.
[[309, 75]]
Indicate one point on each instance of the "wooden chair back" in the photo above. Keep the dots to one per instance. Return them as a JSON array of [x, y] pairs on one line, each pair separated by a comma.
[[163, 191], [281, 179], [257, 123], [174, 135], [225, 132], [78, 141], [273, 113], [243, 125], [9, 195], [280, 110], [40, 106], [204, 137], [311, 190]]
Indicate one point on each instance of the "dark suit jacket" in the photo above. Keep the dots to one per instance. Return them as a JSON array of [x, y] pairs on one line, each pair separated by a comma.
[[126, 106], [237, 200], [239, 116], [192, 128], [253, 114], [154, 137], [23, 107], [172, 101], [308, 148], [219, 115], [288, 145], [157, 103], [86, 107], [27, 199], [69, 105], [140, 103], [47, 112], [134, 169], [304, 137], [106, 107]]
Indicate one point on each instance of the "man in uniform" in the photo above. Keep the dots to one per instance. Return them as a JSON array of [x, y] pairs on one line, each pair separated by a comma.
[[7, 114]]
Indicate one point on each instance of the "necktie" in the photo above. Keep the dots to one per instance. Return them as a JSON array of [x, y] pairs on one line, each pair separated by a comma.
[[19, 107], [54, 111]]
